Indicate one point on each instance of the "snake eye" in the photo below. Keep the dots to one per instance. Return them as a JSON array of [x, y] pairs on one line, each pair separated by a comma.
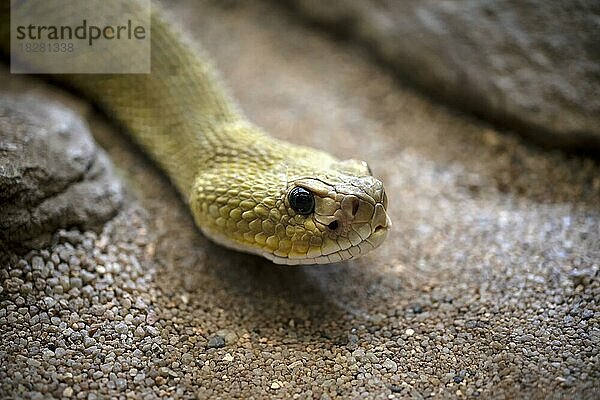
[[302, 201]]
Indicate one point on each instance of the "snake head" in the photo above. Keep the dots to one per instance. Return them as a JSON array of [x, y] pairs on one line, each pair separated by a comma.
[[305, 209], [347, 219]]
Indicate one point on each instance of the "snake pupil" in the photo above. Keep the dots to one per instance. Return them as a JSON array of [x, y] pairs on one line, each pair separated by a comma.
[[302, 201]]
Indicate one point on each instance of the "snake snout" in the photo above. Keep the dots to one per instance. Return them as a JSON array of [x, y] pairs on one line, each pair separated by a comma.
[[360, 215], [381, 219]]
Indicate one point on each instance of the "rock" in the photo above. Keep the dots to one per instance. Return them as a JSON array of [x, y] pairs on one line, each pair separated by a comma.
[[52, 173], [216, 342], [390, 365], [139, 332], [121, 327], [228, 335], [528, 65]]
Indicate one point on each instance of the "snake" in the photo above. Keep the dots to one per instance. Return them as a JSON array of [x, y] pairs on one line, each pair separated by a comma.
[[246, 190]]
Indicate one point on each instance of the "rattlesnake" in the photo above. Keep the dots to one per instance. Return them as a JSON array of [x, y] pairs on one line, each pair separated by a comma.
[[245, 189]]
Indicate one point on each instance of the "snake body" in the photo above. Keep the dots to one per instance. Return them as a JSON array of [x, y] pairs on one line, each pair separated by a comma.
[[245, 189]]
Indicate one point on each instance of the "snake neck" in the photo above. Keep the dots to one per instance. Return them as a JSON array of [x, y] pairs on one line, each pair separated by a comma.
[[179, 113]]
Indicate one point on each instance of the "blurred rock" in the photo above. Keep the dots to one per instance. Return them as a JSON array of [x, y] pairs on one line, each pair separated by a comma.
[[52, 174], [530, 65]]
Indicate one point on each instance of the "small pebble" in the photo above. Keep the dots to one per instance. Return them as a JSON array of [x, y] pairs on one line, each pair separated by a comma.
[[121, 327], [216, 342], [139, 332]]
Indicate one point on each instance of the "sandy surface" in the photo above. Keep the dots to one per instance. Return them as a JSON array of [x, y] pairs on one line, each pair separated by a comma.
[[487, 286]]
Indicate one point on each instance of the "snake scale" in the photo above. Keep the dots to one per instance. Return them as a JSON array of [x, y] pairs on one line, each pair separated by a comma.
[[245, 189]]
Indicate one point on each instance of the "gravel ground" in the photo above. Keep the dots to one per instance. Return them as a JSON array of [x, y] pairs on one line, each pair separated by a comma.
[[488, 286]]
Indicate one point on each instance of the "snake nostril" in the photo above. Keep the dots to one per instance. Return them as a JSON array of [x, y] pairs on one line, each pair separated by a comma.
[[333, 225], [379, 228], [355, 204]]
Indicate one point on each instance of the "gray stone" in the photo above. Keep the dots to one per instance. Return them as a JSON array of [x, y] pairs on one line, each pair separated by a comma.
[[390, 365], [52, 174], [121, 327], [530, 65], [216, 342], [139, 332]]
